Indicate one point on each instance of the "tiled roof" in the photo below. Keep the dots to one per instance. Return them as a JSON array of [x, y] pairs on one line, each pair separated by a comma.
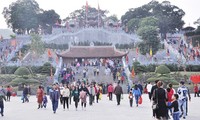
[[92, 52]]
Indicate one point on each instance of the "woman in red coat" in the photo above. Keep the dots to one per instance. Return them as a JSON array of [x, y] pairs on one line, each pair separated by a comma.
[[196, 90], [40, 96]]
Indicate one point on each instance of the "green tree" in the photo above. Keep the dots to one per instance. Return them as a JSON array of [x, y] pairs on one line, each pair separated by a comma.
[[47, 19], [21, 15], [138, 68], [148, 21], [37, 46], [80, 14], [169, 16], [133, 25], [148, 31], [113, 17]]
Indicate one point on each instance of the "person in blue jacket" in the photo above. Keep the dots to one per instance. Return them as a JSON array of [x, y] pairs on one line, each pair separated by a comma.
[[54, 96], [137, 94]]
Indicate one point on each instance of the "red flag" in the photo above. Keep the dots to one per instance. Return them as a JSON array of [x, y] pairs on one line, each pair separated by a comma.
[[86, 7], [49, 53], [137, 51], [126, 58], [133, 73]]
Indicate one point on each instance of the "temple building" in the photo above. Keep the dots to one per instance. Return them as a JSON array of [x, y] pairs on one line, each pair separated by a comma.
[[82, 53]]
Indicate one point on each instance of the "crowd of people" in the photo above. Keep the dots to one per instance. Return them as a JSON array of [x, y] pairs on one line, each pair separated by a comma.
[[166, 103], [166, 99]]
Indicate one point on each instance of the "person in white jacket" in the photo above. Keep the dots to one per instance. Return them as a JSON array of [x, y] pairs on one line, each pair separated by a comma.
[[91, 93], [149, 86], [66, 93]]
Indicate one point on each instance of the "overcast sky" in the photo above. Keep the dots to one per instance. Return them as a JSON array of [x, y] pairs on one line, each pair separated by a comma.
[[118, 7]]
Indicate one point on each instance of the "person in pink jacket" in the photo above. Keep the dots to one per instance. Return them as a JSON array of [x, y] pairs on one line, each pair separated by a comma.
[[110, 91]]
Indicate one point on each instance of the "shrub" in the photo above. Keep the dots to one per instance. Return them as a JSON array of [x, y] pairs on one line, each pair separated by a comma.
[[8, 69], [162, 69], [6, 78], [22, 71], [36, 69], [20, 80], [46, 69]]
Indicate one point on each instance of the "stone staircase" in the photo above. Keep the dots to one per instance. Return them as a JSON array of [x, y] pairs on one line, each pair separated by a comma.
[[101, 78]]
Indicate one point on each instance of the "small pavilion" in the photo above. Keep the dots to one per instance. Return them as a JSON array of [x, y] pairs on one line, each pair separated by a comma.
[[81, 53]]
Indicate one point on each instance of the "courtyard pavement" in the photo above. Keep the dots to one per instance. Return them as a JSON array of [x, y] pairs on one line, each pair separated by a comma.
[[104, 110]]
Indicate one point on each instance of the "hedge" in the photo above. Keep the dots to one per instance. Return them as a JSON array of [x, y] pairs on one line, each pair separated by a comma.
[[172, 68], [19, 80], [45, 69]]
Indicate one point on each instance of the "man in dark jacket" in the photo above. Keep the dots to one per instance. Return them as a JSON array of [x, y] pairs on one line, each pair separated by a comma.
[[151, 94], [2, 97], [84, 88], [54, 96], [118, 92], [25, 94]]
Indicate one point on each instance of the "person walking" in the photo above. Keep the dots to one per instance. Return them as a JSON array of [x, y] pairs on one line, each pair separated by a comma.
[[75, 94], [196, 90], [91, 94], [70, 95], [149, 87], [54, 96], [9, 92], [2, 97], [175, 107], [137, 94], [160, 98], [25, 94], [40, 97], [170, 93], [45, 100], [130, 98], [97, 93], [66, 94], [61, 93], [118, 92], [183, 92], [110, 92], [151, 95], [83, 97]]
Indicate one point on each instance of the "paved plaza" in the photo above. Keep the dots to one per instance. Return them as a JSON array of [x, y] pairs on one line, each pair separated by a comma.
[[104, 110]]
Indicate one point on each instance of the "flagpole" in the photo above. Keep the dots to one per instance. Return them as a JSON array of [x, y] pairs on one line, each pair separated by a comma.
[[98, 14], [86, 13]]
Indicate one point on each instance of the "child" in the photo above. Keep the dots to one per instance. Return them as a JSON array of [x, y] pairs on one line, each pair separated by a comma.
[[130, 98], [45, 100], [175, 107]]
